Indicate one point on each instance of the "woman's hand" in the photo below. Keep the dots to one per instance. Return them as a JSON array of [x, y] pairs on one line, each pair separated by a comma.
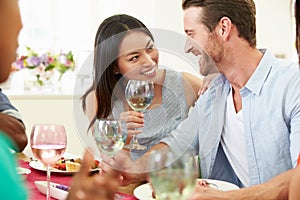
[[206, 81], [133, 121]]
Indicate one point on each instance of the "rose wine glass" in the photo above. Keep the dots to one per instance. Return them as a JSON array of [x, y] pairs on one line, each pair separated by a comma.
[[172, 177], [110, 135], [48, 143], [139, 95]]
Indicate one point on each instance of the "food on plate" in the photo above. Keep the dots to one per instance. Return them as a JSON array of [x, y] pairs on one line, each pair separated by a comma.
[[71, 165]]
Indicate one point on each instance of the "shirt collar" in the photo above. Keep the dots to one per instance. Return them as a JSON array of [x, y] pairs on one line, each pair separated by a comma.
[[256, 81]]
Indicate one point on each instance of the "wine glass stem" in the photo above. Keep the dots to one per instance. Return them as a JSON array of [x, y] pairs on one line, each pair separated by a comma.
[[48, 182], [135, 140]]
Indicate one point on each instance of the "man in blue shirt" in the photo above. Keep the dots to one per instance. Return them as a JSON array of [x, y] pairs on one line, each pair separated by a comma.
[[246, 126]]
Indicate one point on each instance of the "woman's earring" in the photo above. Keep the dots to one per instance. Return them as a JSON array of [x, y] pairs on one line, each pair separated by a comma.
[[115, 72]]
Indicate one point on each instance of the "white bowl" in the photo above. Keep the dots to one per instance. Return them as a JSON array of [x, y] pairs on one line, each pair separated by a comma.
[[54, 192]]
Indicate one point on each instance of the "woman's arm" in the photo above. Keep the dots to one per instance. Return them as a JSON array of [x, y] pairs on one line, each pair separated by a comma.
[[91, 105]]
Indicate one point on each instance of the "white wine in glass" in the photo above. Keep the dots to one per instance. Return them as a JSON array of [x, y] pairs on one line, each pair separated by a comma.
[[48, 142], [139, 95], [172, 177], [110, 135]]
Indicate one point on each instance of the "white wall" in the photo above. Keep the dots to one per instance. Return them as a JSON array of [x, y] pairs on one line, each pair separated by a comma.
[[72, 24], [49, 108], [275, 28]]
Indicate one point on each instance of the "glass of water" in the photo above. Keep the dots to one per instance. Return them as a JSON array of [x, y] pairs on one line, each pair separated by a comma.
[[110, 135]]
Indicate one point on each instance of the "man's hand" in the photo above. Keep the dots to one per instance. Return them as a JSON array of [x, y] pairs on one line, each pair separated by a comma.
[[129, 171], [85, 186], [204, 192]]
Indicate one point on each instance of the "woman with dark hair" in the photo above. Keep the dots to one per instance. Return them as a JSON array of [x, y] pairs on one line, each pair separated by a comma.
[[125, 49], [297, 20]]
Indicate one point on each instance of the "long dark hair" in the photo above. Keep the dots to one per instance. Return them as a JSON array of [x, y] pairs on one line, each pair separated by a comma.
[[107, 83], [297, 20]]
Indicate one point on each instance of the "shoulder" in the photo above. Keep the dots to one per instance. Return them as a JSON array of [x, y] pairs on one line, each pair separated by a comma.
[[9, 178], [91, 104], [91, 96], [192, 80], [192, 85]]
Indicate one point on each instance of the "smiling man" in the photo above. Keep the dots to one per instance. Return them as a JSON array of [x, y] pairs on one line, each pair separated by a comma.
[[254, 92]]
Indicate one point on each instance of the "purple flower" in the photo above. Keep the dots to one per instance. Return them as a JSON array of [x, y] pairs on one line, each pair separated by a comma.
[[44, 58], [33, 61], [19, 64]]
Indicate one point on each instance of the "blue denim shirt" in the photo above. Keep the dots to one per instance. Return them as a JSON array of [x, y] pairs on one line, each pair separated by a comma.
[[271, 113]]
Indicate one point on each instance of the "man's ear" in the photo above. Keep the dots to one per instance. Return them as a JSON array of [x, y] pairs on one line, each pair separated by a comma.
[[224, 27]]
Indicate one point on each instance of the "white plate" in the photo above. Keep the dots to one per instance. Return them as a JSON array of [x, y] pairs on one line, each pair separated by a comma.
[[22, 170], [144, 192], [35, 164], [221, 185], [54, 192]]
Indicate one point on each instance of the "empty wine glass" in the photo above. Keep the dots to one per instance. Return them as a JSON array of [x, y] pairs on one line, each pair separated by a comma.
[[172, 177], [110, 135], [139, 95], [48, 143]]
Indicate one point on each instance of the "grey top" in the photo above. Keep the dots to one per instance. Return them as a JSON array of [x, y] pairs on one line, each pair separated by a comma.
[[161, 120]]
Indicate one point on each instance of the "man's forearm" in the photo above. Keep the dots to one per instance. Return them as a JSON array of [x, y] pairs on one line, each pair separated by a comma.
[[14, 129], [144, 160], [275, 189]]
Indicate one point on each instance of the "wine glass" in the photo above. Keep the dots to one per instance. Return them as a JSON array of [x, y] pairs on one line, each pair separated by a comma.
[[139, 95], [110, 135], [48, 143], [172, 177]]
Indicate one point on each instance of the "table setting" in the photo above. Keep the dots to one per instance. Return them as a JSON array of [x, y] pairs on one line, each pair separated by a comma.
[[170, 176], [48, 143], [33, 178]]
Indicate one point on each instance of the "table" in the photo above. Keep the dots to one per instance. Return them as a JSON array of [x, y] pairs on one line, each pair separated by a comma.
[[36, 175]]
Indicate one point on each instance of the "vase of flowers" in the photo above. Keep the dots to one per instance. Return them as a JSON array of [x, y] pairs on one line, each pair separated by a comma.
[[42, 68]]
